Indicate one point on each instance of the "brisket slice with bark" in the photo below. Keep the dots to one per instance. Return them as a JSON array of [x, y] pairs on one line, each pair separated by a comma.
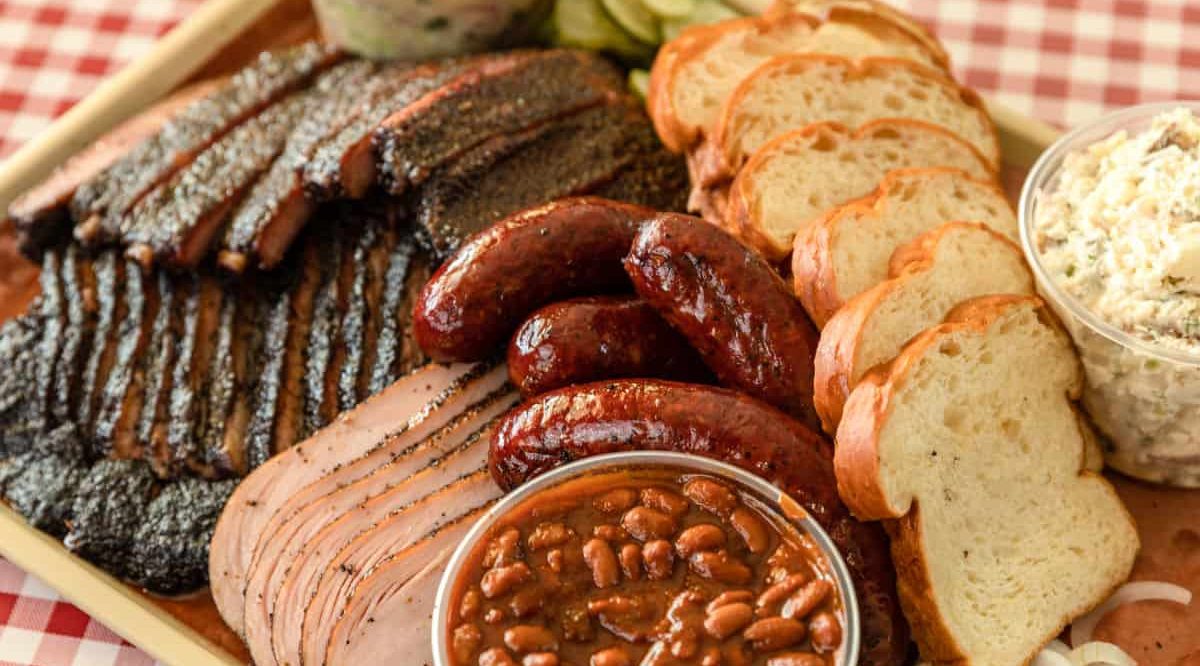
[[100, 204]]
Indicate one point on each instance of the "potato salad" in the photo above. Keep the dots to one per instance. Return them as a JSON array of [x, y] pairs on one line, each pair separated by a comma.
[[1120, 233]]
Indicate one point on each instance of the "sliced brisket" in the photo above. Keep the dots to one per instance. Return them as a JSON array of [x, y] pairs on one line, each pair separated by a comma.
[[109, 276], [499, 96], [100, 204], [157, 363], [276, 208], [51, 307], [78, 285], [393, 315], [115, 429]]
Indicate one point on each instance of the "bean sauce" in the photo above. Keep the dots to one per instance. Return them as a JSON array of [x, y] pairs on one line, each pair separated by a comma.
[[644, 567]]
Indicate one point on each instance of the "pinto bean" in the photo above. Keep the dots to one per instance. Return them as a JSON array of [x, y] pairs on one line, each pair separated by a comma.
[[631, 561], [526, 601], [613, 656], [751, 528], [807, 598], [617, 500], [685, 644], [779, 592], [665, 501], [612, 533], [603, 562], [470, 606], [719, 566], [526, 638], [466, 640], [499, 581], [727, 620], [699, 537], [647, 524], [774, 633], [505, 549], [496, 657], [540, 659], [712, 657], [796, 659], [494, 616], [555, 560], [659, 559], [549, 535], [730, 597], [825, 632], [711, 496]]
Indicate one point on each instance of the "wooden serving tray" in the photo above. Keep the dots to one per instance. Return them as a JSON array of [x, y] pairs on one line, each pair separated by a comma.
[[189, 631]]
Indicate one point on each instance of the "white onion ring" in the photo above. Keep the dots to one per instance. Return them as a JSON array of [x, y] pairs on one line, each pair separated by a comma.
[[1049, 657], [1099, 652], [1143, 590]]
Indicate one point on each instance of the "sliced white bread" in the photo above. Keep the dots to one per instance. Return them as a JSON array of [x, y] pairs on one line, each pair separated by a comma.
[[847, 252], [793, 180], [953, 263], [823, 9], [694, 74], [789, 92], [969, 449]]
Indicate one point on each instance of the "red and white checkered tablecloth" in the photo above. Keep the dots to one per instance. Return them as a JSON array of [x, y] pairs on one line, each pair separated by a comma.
[[1062, 61]]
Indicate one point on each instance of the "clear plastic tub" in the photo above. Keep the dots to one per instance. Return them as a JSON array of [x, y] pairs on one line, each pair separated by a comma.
[[768, 495], [1143, 396]]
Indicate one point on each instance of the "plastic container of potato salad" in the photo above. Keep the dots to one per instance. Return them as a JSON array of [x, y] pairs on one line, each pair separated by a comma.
[[1110, 223]]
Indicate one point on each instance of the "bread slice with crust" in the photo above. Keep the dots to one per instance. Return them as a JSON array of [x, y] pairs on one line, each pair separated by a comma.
[[693, 75], [956, 262], [822, 9], [796, 178], [968, 448], [847, 251], [788, 92]]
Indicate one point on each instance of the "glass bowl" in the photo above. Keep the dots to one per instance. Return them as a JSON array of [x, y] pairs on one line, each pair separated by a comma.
[[771, 497], [1144, 397]]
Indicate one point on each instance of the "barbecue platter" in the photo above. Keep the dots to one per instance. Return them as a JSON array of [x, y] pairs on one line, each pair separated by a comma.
[[296, 341]]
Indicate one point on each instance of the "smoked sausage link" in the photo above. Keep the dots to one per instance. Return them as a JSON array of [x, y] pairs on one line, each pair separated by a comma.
[[628, 415], [598, 337], [570, 247], [732, 306]]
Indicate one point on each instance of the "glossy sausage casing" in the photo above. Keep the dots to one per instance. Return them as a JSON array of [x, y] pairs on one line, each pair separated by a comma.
[[571, 247], [732, 306], [624, 415], [598, 337]]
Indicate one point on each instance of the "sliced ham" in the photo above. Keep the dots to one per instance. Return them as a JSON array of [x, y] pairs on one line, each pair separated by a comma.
[[404, 587], [419, 403], [371, 548], [409, 475]]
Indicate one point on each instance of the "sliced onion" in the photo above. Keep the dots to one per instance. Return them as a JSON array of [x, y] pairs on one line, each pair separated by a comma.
[[1143, 590], [1050, 657], [1059, 647], [1099, 652]]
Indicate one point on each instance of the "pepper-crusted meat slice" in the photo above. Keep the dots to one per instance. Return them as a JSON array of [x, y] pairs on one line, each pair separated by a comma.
[[499, 96], [393, 315], [41, 215], [192, 358], [157, 362], [109, 273], [19, 341], [121, 401], [178, 220], [320, 403], [343, 166], [362, 298], [266, 222], [100, 204], [52, 309], [572, 155], [217, 396], [78, 293]]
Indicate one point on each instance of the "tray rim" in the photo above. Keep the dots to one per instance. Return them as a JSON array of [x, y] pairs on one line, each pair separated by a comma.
[[171, 641]]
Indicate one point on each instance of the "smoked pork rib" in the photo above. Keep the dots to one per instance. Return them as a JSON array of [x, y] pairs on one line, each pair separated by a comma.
[[276, 208], [100, 204], [498, 96]]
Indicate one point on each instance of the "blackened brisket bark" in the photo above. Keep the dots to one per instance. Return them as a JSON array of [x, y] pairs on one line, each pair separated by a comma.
[[110, 503], [190, 372], [20, 339], [178, 220], [77, 289], [109, 274], [100, 204], [385, 367], [343, 165], [356, 318], [157, 362], [40, 481], [52, 309], [323, 353], [121, 399], [276, 208], [502, 95], [169, 551]]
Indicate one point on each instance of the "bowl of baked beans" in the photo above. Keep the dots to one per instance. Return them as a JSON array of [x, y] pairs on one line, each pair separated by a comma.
[[646, 558]]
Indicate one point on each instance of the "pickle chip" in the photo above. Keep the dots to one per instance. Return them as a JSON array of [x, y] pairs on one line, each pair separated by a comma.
[[584, 24], [634, 17], [671, 8]]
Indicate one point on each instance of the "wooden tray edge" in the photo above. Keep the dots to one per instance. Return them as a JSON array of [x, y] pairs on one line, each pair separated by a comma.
[[138, 619]]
